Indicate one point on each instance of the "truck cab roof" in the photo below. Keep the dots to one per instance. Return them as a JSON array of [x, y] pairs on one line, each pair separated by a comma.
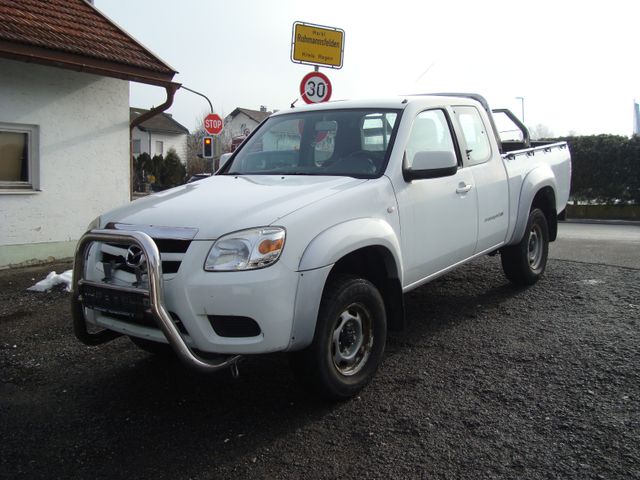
[[399, 102]]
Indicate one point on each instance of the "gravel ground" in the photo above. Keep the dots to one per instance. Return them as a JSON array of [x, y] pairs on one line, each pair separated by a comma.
[[487, 381]]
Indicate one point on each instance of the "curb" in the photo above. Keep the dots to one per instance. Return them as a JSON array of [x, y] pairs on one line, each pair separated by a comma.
[[594, 221]]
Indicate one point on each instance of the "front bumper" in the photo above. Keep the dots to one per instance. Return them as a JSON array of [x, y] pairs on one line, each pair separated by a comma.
[[154, 293]]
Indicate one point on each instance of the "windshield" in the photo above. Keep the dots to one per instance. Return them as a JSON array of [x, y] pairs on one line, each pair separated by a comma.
[[352, 143]]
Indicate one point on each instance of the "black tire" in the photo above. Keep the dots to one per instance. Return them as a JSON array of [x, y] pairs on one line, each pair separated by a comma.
[[349, 339], [525, 262], [156, 348]]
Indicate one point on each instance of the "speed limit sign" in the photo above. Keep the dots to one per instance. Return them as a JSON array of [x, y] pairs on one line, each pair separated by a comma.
[[315, 88]]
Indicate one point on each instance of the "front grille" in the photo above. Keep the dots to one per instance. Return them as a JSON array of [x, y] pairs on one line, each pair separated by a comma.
[[171, 254], [170, 267], [169, 245]]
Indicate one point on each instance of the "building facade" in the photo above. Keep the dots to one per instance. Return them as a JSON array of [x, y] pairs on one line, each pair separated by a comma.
[[243, 121], [158, 135], [64, 123], [74, 165]]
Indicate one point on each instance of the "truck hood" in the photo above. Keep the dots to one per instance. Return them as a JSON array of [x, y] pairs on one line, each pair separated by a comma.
[[224, 203]]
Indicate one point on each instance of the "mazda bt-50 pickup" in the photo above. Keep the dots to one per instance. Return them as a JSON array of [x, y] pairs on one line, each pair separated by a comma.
[[309, 235]]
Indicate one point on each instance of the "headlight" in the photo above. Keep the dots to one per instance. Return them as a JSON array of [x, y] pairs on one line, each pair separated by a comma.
[[246, 250], [95, 223]]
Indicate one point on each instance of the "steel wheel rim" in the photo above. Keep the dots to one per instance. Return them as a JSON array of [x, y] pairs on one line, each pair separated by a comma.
[[535, 247], [351, 340]]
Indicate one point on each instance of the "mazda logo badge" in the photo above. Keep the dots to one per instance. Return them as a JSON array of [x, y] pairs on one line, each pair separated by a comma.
[[135, 257]]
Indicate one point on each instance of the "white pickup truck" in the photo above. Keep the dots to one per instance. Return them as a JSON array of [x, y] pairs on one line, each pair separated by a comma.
[[308, 236]]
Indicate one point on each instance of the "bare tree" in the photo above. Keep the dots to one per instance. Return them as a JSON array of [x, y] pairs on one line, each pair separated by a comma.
[[540, 131]]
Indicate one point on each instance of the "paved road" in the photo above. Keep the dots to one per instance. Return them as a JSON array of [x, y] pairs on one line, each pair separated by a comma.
[[487, 381], [605, 244]]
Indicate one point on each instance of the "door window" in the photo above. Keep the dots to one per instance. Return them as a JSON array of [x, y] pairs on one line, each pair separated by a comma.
[[430, 132]]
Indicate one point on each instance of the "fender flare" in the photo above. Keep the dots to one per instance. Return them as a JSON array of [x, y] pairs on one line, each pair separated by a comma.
[[318, 259], [339, 240], [537, 179]]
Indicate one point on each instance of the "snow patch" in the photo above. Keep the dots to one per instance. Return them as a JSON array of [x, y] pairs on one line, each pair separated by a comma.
[[52, 280], [590, 282]]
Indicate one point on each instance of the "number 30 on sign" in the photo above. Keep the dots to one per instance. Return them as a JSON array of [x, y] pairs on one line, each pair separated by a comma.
[[315, 88]]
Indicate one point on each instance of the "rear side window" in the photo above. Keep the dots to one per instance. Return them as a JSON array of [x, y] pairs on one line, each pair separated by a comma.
[[376, 131], [478, 148]]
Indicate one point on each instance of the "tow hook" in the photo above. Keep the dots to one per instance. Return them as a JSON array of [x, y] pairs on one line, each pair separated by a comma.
[[235, 373]]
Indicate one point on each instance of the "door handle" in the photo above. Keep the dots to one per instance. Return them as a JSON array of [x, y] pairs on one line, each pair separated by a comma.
[[463, 188]]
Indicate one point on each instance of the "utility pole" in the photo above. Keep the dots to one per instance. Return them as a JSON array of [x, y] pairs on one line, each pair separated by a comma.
[[521, 106]]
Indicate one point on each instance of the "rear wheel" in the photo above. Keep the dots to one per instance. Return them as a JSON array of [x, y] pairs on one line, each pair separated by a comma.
[[524, 263], [349, 339]]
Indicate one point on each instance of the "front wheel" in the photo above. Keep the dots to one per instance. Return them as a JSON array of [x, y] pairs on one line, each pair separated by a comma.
[[349, 339], [525, 262]]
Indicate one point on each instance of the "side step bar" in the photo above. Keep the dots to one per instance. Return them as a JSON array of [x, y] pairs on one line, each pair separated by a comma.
[[156, 299]]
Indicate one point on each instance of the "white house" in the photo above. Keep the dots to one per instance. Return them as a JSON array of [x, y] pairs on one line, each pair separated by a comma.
[[158, 134], [243, 121], [64, 123]]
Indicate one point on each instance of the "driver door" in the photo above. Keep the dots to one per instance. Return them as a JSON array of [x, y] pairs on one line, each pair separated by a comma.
[[438, 216]]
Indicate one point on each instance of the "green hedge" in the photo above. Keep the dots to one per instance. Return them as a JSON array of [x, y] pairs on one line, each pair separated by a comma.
[[166, 171], [606, 168]]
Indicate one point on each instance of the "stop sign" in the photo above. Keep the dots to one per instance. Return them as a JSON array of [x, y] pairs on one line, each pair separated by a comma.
[[213, 124]]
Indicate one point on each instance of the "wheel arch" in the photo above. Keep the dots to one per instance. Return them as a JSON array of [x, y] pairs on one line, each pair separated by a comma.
[[538, 191], [366, 247], [336, 242], [545, 200], [377, 264]]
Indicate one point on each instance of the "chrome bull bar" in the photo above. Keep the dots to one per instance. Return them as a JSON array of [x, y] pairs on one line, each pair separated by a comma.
[[155, 294]]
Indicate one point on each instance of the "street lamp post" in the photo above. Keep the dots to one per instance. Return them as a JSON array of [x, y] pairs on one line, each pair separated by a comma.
[[521, 106]]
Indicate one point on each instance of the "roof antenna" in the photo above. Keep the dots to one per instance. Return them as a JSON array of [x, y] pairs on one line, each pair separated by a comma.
[[294, 102], [425, 72]]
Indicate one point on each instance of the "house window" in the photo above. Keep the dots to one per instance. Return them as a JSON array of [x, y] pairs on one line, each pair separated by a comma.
[[159, 147], [136, 147], [18, 157]]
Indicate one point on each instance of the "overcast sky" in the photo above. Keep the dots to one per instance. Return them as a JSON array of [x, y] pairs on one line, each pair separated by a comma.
[[575, 63]]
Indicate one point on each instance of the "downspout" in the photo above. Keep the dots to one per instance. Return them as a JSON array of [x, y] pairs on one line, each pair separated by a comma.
[[171, 89]]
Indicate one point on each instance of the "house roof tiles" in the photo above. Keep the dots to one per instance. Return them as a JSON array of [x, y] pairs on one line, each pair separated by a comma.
[[62, 29]]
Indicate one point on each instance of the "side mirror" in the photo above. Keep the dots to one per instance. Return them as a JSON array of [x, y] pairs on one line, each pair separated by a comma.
[[432, 164], [224, 158]]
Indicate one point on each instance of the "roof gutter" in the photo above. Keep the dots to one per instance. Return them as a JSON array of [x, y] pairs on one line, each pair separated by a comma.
[[171, 89], [81, 63]]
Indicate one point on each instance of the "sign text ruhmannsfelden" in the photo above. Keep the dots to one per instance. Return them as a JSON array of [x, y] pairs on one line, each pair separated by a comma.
[[317, 45]]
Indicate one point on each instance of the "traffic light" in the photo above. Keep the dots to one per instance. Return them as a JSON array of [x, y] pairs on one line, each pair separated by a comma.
[[207, 147]]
